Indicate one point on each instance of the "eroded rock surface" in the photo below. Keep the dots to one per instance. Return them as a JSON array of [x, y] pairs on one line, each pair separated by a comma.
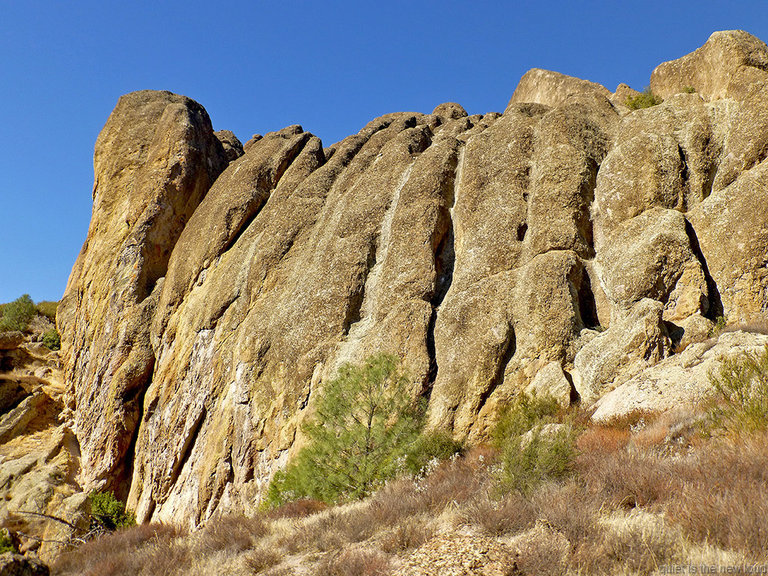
[[567, 245], [154, 162]]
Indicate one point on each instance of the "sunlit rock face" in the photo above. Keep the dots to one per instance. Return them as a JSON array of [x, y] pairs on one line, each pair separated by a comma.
[[218, 288]]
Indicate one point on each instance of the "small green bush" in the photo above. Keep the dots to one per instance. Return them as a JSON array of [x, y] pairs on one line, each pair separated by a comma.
[[645, 99], [689, 90], [364, 423], [51, 339], [108, 512], [48, 308], [18, 314], [720, 323], [430, 447], [741, 384], [530, 455], [6, 542], [525, 413]]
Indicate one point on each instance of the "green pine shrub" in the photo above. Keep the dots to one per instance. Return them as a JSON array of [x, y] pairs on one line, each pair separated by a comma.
[[6, 542], [431, 447], [359, 436], [18, 314], [645, 99], [108, 513]]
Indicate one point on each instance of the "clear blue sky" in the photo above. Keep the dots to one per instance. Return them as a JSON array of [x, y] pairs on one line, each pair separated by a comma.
[[260, 65]]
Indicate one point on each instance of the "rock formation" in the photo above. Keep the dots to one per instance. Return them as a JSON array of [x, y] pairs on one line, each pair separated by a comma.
[[567, 244]]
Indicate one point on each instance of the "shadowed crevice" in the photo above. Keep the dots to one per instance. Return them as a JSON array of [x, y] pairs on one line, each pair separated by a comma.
[[508, 349], [714, 304]]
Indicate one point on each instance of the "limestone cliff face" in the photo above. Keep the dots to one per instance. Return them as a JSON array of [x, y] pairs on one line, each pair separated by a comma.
[[568, 241]]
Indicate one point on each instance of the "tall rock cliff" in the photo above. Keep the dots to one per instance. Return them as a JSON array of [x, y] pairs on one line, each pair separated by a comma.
[[567, 244]]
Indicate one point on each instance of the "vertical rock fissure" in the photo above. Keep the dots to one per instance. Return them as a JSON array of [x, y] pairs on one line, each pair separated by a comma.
[[715, 302], [507, 351], [445, 260], [186, 449], [585, 224], [684, 180]]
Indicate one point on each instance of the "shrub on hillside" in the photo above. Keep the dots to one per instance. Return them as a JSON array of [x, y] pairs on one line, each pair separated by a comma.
[[741, 384], [645, 99], [18, 314], [431, 447], [530, 452], [51, 339], [47, 308], [108, 513], [364, 423], [6, 542]]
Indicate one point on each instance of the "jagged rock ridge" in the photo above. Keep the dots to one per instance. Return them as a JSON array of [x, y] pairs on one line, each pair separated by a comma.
[[568, 239]]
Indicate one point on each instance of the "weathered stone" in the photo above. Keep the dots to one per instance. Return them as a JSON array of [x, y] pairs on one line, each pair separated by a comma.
[[724, 67], [10, 340], [551, 381], [489, 252], [636, 339], [154, 162], [17, 565], [682, 380], [454, 554], [622, 95], [731, 227], [233, 148], [554, 89], [647, 257], [450, 111]]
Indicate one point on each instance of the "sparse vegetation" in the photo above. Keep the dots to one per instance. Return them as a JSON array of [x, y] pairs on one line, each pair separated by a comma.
[[741, 384], [6, 542], [631, 503], [18, 314], [108, 513], [47, 308], [689, 90], [51, 339], [645, 99], [720, 324], [533, 447], [624, 496]]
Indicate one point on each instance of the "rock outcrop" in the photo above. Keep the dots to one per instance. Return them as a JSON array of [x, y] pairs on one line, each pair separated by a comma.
[[40, 499], [566, 245], [154, 162]]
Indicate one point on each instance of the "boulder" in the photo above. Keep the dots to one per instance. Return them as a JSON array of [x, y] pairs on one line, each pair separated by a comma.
[[554, 89], [11, 340], [726, 66], [636, 340], [233, 148], [680, 381]]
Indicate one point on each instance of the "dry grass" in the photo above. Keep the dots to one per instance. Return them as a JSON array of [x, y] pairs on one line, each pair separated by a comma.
[[634, 500], [231, 533], [125, 552], [297, 509], [409, 534], [354, 562], [510, 514]]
